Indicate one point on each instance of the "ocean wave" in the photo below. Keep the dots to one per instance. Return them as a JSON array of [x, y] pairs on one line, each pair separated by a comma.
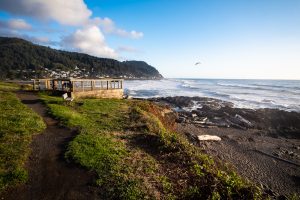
[[243, 93], [249, 87], [217, 94], [264, 103], [277, 86], [268, 101], [189, 86]]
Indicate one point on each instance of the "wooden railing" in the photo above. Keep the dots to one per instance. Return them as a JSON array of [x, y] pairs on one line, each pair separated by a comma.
[[80, 85]]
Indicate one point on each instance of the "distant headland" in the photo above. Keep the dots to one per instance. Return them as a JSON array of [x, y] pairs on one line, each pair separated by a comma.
[[21, 59]]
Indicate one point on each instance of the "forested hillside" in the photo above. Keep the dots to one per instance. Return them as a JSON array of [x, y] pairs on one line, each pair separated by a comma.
[[21, 59]]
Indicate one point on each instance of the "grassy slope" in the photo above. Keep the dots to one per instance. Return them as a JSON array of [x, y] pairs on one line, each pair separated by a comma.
[[17, 126], [95, 147], [136, 155], [8, 87]]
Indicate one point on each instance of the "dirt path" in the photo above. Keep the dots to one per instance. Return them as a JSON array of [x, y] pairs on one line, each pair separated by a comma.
[[50, 176]]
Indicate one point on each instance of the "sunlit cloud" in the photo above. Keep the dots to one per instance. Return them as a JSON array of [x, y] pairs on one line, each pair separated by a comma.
[[89, 40], [88, 36], [127, 49], [108, 26], [73, 12]]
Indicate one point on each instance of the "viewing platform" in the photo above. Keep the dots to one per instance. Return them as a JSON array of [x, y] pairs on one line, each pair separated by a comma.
[[76, 88]]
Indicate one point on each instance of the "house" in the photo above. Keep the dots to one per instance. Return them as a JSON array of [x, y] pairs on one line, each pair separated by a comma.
[[77, 88]]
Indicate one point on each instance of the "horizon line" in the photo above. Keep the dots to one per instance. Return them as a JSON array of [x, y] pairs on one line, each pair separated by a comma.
[[270, 79]]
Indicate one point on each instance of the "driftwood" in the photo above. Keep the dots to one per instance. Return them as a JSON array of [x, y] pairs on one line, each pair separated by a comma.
[[208, 138], [241, 120], [281, 159]]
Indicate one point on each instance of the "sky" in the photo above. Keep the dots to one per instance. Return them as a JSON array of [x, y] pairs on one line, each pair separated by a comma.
[[243, 39]]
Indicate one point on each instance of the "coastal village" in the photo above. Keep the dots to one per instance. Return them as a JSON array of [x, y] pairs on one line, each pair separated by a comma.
[[44, 72]]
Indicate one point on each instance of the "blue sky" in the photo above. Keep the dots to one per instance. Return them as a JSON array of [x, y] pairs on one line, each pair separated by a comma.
[[231, 38]]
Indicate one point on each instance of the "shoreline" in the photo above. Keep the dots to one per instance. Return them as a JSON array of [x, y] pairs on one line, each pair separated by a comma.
[[252, 94], [263, 145], [219, 100], [215, 112]]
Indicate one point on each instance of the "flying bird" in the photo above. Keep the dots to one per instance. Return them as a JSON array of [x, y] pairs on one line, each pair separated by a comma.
[[198, 63]]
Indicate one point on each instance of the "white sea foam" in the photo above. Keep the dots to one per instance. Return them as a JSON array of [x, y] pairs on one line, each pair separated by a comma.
[[243, 93]]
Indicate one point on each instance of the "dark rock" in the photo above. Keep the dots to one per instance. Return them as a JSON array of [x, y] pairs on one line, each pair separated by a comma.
[[276, 154], [180, 120], [270, 192], [243, 121], [272, 122], [281, 197], [192, 138]]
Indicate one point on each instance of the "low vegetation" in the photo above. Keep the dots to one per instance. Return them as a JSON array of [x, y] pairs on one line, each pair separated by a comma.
[[8, 87], [205, 178], [96, 147], [18, 124], [137, 155]]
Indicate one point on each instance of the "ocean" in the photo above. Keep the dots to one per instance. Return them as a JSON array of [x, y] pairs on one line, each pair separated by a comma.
[[254, 94]]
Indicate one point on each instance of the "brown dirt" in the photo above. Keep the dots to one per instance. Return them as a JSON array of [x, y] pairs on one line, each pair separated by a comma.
[[50, 176]]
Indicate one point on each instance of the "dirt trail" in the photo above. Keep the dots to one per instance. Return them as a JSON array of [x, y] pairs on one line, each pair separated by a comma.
[[50, 176]]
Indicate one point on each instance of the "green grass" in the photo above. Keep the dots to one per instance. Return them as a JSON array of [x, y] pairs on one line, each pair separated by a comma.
[[128, 170], [95, 147], [18, 124], [208, 179], [9, 87]]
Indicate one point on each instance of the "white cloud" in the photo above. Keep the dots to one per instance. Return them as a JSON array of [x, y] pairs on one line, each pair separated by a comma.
[[44, 40], [89, 40], [15, 24], [34, 39], [65, 12], [108, 26], [134, 34], [18, 24], [127, 49]]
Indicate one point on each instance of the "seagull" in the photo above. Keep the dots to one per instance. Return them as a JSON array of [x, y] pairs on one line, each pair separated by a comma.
[[198, 63]]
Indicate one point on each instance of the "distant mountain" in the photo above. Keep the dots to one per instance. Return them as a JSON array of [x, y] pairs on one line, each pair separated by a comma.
[[21, 59]]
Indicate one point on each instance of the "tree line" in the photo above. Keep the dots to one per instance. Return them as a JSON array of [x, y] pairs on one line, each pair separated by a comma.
[[21, 59]]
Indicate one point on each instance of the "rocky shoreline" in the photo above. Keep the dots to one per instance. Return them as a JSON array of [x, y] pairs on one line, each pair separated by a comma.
[[263, 145], [208, 112]]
